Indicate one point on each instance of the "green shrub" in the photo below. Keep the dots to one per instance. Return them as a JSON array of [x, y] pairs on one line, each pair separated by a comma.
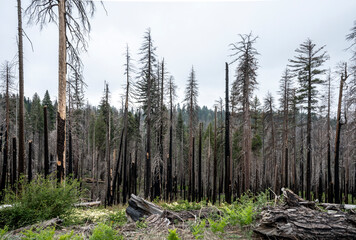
[[105, 232], [217, 226], [173, 235], [70, 236], [40, 200], [46, 234]]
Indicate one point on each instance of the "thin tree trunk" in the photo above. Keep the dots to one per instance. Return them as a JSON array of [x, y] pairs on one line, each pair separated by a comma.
[[116, 174], [45, 130], [14, 165], [21, 131], [200, 182], [29, 167], [227, 138], [309, 146], [169, 165], [215, 161], [337, 144], [148, 119]]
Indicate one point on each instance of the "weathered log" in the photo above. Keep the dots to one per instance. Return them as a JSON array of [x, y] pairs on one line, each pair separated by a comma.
[[140, 208], [42, 225], [87, 204], [295, 221], [338, 206]]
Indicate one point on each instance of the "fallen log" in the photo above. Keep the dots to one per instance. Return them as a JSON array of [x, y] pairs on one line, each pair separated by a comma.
[[87, 204], [140, 208], [39, 226], [293, 220], [332, 206]]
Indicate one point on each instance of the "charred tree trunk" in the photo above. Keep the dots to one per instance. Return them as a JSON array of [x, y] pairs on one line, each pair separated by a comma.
[[193, 171], [200, 181], [29, 166], [227, 138], [337, 141], [45, 131], [215, 161], [116, 173], [329, 183], [7, 127], [14, 165], [169, 162]]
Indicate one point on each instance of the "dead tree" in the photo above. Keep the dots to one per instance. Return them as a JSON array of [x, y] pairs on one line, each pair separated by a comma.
[[191, 95], [227, 138], [21, 93], [343, 78], [45, 131], [7, 77], [72, 40], [200, 180], [215, 160], [245, 54], [29, 163]]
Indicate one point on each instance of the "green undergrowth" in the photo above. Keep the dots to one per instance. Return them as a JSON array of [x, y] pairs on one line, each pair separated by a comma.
[[40, 200]]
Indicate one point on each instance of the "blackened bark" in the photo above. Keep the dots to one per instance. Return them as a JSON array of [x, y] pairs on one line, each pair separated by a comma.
[[200, 181], [14, 165], [116, 173], [60, 147], [45, 131], [227, 138], [29, 166], [215, 161]]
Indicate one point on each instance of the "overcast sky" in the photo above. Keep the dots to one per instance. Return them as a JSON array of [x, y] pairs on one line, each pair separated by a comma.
[[185, 33]]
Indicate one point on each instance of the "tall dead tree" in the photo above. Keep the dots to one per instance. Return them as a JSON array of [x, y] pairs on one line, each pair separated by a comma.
[[21, 114], [72, 18], [227, 138], [343, 78], [7, 78], [191, 95], [172, 94], [245, 55], [329, 181], [307, 67], [128, 71], [200, 180], [215, 160], [45, 131], [285, 85]]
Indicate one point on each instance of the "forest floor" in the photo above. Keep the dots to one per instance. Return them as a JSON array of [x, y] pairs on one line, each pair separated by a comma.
[[113, 223]]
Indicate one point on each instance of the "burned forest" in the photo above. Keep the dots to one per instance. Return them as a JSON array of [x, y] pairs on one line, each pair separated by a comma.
[[169, 151]]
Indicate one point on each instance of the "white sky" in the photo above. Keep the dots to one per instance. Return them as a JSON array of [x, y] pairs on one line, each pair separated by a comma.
[[185, 33]]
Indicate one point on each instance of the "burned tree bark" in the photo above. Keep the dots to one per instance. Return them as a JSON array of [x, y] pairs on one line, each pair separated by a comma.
[[45, 131], [337, 140], [215, 161], [29, 165], [227, 138]]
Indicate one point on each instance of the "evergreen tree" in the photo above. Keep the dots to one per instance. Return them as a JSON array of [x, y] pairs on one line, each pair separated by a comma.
[[245, 54], [307, 65], [145, 88]]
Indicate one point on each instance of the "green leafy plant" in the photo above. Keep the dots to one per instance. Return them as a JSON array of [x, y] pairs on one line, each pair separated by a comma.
[[40, 200], [45, 234], [105, 232], [198, 230], [141, 224], [118, 218], [217, 226], [3, 232], [70, 236], [173, 235]]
